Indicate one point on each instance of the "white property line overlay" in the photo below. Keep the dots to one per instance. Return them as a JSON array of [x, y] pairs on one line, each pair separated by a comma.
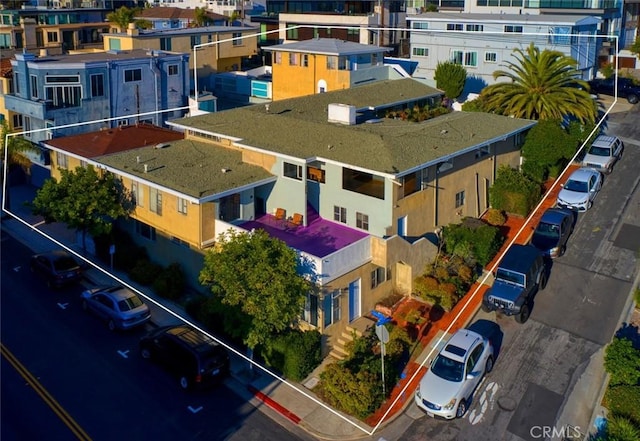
[[235, 351]]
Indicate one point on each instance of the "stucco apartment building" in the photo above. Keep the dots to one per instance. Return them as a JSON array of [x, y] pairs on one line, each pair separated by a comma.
[[324, 64], [484, 43], [229, 46], [355, 193], [54, 95]]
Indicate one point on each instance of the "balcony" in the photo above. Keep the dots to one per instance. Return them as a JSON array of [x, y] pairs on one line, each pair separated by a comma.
[[333, 248], [574, 4]]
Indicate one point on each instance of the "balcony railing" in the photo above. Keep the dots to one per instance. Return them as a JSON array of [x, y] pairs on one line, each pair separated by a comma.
[[574, 4]]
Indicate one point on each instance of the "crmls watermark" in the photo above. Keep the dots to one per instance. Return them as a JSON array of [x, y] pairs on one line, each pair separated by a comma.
[[556, 433]]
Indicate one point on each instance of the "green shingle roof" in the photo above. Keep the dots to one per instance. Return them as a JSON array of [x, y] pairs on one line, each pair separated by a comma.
[[189, 167], [299, 128]]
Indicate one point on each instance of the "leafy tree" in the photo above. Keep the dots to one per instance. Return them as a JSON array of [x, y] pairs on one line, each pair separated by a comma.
[[635, 47], [259, 276], [121, 17], [543, 85], [450, 77], [514, 192], [86, 199], [622, 361]]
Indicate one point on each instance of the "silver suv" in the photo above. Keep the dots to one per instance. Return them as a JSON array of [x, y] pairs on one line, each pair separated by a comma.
[[603, 153]]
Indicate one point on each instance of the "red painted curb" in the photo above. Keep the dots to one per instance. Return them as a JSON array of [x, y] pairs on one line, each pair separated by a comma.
[[274, 405]]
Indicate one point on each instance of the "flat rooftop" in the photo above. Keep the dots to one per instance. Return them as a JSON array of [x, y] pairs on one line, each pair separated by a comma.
[[299, 127]]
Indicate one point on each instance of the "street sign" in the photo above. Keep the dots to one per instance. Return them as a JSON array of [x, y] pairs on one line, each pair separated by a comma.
[[383, 333]]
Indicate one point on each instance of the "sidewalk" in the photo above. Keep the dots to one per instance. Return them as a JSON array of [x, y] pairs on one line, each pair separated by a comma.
[[295, 402]]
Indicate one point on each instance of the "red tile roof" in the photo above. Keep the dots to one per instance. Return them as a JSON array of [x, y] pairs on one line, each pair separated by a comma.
[[5, 68], [108, 141]]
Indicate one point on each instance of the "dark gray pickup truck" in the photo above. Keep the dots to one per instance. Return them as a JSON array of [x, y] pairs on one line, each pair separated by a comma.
[[521, 272]]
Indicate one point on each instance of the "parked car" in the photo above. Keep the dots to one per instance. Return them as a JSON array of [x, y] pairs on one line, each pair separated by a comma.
[[580, 190], [626, 88], [454, 374], [553, 231], [603, 153], [522, 271], [58, 267], [193, 357], [119, 307]]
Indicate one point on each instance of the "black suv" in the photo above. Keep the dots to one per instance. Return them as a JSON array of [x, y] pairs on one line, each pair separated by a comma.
[[193, 357], [521, 272], [626, 88]]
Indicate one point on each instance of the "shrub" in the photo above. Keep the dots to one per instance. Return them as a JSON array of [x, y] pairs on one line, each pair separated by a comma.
[[624, 401], [465, 273], [170, 282], [495, 217], [535, 171], [127, 252], [620, 428], [514, 192], [607, 70], [145, 272], [483, 240], [295, 353], [357, 393], [424, 287], [622, 362]]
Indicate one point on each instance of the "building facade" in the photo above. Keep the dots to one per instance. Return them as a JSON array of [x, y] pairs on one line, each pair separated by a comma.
[[224, 47], [321, 65], [484, 43], [62, 95], [357, 193]]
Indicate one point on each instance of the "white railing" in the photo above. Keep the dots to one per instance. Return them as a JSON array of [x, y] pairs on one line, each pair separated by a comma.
[[340, 262]]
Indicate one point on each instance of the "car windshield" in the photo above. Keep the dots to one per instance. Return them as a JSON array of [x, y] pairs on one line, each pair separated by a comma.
[[510, 276], [548, 230], [129, 303], [448, 369], [579, 186], [600, 151], [64, 263]]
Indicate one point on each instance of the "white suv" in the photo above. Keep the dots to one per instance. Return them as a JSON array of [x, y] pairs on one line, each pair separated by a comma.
[[454, 374], [603, 153]]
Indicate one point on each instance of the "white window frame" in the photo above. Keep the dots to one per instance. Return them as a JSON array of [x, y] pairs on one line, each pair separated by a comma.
[[420, 52], [182, 206], [490, 57]]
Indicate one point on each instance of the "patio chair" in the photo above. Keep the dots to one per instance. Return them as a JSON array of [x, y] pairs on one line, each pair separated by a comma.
[[296, 220], [281, 215]]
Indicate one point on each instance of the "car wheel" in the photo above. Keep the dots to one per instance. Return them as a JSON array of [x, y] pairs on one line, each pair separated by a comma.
[[543, 280], [563, 250], [486, 308], [489, 366], [145, 353], [111, 325], [85, 305], [610, 169], [462, 409], [524, 314], [633, 99], [589, 205], [184, 383]]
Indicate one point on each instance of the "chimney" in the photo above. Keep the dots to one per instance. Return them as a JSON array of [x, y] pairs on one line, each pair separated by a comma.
[[146, 168]]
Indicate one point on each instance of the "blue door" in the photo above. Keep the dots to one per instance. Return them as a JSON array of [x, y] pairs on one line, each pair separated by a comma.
[[354, 300]]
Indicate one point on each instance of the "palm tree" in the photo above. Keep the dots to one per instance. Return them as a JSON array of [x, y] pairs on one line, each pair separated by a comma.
[[14, 154], [200, 18], [544, 85]]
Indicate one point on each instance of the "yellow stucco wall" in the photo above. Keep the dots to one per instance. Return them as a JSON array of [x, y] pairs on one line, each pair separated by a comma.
[[296, 80], [185, 227]]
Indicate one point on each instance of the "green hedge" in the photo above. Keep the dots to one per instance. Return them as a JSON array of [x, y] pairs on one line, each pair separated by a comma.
[[296, 353], [170, 283], [482, 242], [624, 401], [127, 252], [514, 192], [145, 272]]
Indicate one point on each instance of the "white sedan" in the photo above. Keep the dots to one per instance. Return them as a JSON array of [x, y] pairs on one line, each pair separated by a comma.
[[581, 189], [454, 374]]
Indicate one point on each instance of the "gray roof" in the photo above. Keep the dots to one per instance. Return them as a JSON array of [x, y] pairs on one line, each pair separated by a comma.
[[152, 33], [327, 46], [103, 56], [189, 167], [299, 128], [505, 18]]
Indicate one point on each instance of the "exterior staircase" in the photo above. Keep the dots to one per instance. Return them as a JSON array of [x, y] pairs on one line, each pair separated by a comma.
[[351, 331]]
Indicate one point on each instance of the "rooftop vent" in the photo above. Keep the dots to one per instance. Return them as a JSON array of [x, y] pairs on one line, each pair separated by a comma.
[[342, 114], [162, 145], [225, 170]]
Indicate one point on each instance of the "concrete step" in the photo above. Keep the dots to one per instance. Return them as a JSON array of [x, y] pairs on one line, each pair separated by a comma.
[[338, 353]]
